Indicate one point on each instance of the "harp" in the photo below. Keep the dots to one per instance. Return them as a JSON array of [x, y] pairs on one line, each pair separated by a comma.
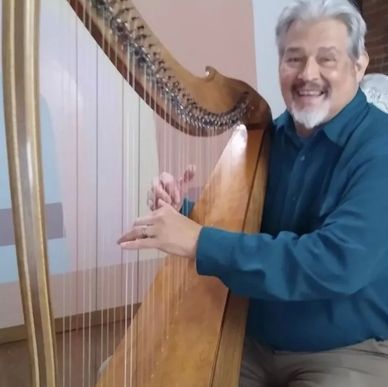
[[198, 341]]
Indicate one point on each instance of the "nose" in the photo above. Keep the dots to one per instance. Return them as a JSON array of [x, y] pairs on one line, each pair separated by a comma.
[[310, 70]]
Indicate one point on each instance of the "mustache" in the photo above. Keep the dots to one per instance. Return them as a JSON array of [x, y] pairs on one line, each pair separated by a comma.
[[309, 86]]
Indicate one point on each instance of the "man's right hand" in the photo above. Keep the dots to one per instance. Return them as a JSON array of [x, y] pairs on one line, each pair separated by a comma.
[[169, 189]]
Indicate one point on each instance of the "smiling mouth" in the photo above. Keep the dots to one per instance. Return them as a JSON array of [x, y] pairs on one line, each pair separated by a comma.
[[310, 93]]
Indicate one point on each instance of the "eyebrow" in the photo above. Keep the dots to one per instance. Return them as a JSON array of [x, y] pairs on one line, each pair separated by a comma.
[[327, 49], [294, 50]]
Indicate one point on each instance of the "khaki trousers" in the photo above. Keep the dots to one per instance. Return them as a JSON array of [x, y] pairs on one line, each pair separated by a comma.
[[361, 365]]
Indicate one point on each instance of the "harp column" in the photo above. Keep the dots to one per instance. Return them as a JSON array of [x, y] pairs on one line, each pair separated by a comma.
[[21, 108]]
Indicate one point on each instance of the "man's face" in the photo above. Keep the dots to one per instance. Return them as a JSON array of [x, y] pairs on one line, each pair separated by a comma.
[[317, 75]]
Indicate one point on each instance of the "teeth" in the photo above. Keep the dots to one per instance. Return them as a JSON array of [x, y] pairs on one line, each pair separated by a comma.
[[310, 93]]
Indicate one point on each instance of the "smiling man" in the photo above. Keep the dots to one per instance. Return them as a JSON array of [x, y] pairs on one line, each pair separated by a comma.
[[319, 72], [317, 273]]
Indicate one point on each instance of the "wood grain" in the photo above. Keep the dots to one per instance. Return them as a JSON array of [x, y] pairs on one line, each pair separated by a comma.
[[185, 353], [215, 93]]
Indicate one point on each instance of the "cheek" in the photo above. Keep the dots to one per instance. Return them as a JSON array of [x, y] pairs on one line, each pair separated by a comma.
[[337, 84], [339, 78], [286, 79]]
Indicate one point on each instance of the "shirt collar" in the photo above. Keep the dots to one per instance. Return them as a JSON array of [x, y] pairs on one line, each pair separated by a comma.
[[286, 122], [337, 129]]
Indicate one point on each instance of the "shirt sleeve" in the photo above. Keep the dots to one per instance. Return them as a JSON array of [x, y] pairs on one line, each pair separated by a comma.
[[187, 207], [348, 251]]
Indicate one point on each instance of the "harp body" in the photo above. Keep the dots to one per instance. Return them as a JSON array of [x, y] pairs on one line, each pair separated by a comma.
[[200, 343]]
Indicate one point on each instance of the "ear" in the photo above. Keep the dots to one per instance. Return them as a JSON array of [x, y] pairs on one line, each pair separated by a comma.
[[360, 66]]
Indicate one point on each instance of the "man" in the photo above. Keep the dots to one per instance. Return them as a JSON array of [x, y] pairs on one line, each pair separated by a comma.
[[317, 273]]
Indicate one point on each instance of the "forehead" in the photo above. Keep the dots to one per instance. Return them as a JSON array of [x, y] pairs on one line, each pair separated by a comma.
[[326, 33]]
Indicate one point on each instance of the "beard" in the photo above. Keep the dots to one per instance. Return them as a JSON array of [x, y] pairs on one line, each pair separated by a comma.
[[310, 117]]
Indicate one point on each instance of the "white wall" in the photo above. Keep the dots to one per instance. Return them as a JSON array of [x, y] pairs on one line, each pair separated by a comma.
[[88, 129], [95, 139], [265, 18]]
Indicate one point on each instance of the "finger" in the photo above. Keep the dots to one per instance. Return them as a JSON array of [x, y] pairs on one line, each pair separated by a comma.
[[176, 197], [129, 236], [177, 188], [171, 187], [151, 204], [148, 243], [188, 174], [162, 203], [166, 179], [140, 232], [158, 191], [146, 220], [151, 200]]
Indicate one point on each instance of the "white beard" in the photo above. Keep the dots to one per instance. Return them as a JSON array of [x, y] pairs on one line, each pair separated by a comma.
[[310, 117]]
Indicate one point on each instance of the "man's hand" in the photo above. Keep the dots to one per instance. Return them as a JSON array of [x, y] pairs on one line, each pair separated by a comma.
[[164, 229], [169, 190]]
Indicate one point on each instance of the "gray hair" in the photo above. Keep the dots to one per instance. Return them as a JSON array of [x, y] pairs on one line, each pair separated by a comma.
[[307, 10]]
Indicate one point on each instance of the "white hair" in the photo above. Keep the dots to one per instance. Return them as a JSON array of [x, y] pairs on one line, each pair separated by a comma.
[[309, 10], [310, 118]]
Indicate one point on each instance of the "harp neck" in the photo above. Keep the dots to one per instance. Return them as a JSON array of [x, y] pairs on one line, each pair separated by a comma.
[[200, 106]]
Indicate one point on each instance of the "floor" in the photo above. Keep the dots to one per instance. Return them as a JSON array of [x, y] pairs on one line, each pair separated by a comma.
[[80, 354]]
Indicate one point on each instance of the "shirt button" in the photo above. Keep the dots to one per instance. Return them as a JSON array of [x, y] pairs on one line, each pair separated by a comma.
[[302, 158]]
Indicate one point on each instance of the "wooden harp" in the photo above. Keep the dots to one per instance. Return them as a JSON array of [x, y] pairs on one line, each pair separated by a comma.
[[199, 342]]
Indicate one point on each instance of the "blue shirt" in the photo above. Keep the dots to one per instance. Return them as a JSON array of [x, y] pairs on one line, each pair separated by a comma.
[[317, 274]]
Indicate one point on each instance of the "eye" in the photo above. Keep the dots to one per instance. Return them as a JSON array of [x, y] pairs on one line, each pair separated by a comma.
[[294, 59], [327, 60]]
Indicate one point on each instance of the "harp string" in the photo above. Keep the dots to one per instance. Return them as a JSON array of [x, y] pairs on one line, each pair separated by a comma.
[[107, 281], [84, 255], [152, 261], [125, 166], [89, 250], [116, 268], [135, 265], [168, 257], [124, 256], [101, 303], [64, 284], [136, 276], [106, 295], [73, 283], [165, 259], [92, 306], [100, 270], [117, 331], [143, 278], [125, 135], [93, 274]]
